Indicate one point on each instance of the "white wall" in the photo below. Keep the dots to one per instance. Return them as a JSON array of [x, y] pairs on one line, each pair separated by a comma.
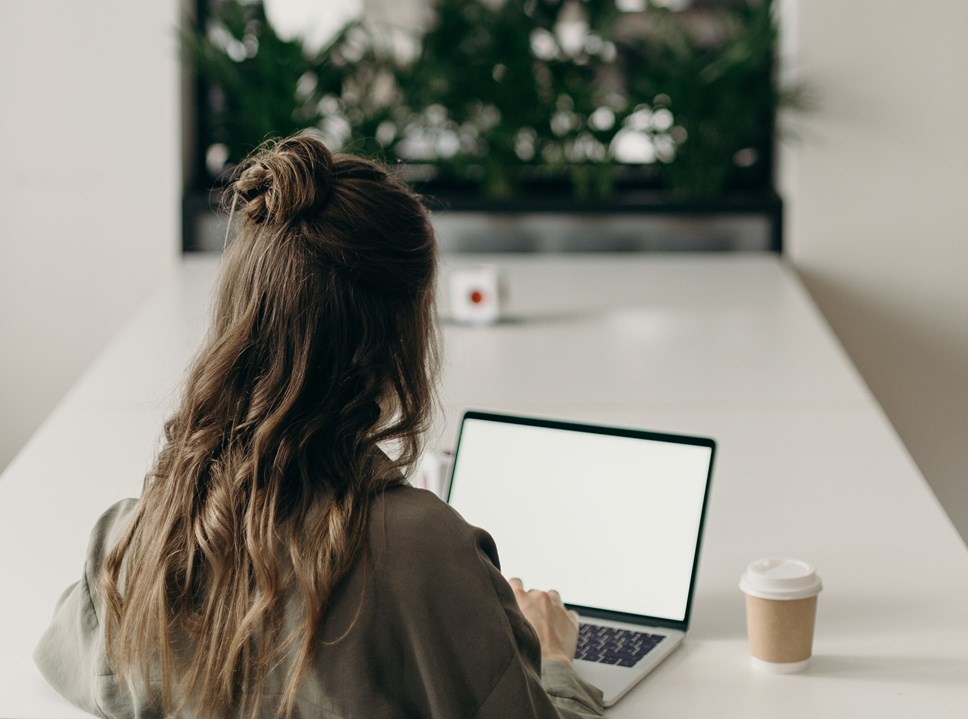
[[89, 187], [877, 193]]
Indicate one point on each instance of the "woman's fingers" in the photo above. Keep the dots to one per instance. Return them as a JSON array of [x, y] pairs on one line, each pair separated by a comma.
[[556, 627], [518, 587]]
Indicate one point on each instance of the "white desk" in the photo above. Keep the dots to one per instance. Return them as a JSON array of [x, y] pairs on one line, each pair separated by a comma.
[[728, 346]]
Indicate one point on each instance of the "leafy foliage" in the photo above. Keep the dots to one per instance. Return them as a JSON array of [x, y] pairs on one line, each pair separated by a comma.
[[721, 92], [501, 93]]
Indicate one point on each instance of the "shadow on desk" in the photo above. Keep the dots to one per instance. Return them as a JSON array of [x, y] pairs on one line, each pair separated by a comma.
[[868, 615], [894, 670], [532, 318]]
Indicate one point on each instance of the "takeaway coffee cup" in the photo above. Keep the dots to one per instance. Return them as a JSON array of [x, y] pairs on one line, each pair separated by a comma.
[[781, 608]]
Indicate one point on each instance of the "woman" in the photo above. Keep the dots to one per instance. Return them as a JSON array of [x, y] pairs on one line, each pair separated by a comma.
[[277, 563]]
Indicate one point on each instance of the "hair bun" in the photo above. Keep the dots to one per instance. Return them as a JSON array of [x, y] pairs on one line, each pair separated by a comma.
[[285, 180]]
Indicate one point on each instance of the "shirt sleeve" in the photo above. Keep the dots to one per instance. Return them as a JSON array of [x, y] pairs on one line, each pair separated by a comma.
[[67, 652], [70, 654], [572, 696]]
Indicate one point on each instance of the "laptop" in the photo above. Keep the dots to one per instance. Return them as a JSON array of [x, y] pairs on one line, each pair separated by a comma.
[[611, 518]]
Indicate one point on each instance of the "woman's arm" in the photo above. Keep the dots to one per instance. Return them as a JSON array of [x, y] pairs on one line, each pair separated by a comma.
[[463, 646], [545, 634], [557, 630]]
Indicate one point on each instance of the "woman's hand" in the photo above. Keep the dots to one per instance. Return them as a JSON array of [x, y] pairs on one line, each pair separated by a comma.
[[557, 627]]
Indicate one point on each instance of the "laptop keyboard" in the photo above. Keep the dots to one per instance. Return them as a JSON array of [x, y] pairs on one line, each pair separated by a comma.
[[608, 645]]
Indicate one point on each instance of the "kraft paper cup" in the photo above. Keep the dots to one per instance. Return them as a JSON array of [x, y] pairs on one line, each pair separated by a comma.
[[781, 610]]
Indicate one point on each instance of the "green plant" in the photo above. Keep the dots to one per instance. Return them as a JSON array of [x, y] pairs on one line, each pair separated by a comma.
[[720, 91], [516, 99], [262, 85], [504, 93]]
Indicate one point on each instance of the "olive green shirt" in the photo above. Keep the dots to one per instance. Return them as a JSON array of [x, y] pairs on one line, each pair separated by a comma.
[[439, 633]]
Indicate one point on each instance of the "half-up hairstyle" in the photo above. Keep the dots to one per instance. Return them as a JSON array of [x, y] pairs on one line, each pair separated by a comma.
[[321, 353]]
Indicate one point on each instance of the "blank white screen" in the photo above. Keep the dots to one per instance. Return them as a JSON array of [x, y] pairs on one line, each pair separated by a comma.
[[610, 522]]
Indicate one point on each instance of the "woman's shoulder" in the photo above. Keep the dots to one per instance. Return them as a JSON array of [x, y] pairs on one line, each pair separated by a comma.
[[108, 529], [419, 522], [413, 513]]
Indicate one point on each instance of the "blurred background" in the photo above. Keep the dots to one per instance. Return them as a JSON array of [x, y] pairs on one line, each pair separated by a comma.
[[829, 132], [513, 119]]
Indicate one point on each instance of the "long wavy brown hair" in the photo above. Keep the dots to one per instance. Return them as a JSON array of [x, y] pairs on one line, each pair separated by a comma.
[[308, 399]]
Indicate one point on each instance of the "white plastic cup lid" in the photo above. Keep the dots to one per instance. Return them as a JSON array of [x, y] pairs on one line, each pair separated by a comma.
[[780, 578]]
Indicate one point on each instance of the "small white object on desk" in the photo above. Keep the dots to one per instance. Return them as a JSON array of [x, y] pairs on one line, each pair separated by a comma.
[[476, 294]]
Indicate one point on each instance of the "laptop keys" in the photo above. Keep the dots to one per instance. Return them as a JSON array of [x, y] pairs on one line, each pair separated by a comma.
[[610, 645]]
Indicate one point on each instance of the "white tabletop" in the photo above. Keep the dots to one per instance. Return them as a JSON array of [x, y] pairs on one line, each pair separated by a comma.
[[726, 346]]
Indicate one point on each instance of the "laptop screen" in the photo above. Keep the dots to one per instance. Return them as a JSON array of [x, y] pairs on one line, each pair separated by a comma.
[[610, 518]]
